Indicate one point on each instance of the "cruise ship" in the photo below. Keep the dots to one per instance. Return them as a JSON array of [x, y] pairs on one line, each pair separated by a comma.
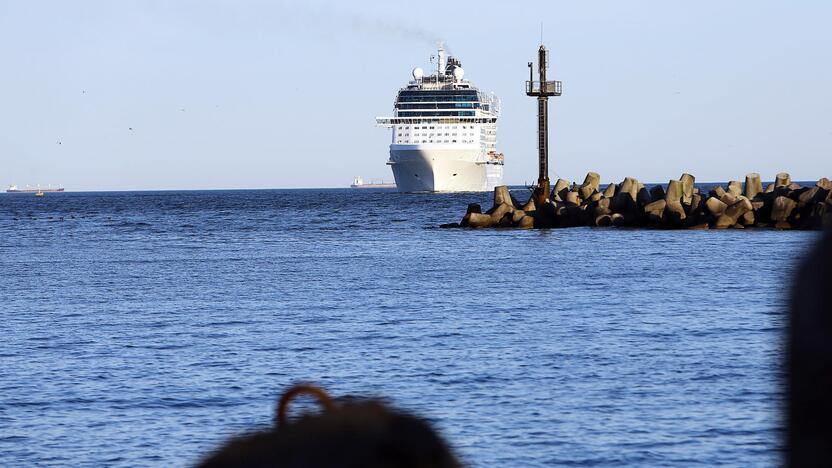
[[444, 132]]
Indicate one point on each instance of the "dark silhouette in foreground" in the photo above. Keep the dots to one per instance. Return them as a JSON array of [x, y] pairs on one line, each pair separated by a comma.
[[351, 433], [809, 361]]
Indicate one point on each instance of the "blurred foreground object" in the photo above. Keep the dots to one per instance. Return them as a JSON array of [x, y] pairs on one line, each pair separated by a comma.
[[809, 361], [346, 433]]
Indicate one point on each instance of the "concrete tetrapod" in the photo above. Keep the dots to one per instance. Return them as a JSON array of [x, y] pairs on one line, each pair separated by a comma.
[[732, 214], [715, 206], [593, 180], [586, 191], [572, 197], [502, 196], [517, 216], [675, 191], [560, 189], [655, 211], [753, 185], [526, 222], [688, 182], [500, 211], [657, 193], [603, 207], [477, 220], [603, 220], [786, 206], [781, 210], [728, 198], [624, 201], [643, 197]]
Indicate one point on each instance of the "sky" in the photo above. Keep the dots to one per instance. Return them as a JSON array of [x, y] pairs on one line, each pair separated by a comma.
[[210, 94]]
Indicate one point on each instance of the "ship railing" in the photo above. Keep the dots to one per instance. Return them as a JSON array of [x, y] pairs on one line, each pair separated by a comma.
[[390, 121], [544, 88]]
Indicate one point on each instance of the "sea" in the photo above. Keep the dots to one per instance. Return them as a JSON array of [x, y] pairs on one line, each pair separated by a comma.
[[146, 328]]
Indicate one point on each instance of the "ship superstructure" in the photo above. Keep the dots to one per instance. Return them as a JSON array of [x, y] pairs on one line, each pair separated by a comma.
[[444, 133]]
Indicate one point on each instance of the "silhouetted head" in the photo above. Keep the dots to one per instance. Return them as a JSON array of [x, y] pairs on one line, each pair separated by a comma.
[[351, 433], [809, 362]]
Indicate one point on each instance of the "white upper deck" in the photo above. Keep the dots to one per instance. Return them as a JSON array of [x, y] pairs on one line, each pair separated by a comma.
[[444, 96]]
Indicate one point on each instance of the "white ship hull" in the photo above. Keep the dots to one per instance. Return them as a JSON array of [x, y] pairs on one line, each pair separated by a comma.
[[443, 168]]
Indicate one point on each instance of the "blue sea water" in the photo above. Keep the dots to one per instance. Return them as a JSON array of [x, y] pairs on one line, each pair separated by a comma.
[[144, 328]]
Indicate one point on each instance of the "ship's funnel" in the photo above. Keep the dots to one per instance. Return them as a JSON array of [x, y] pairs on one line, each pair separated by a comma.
[[440, 56]]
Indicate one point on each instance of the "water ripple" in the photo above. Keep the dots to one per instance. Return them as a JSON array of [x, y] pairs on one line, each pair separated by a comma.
[[143, 328]]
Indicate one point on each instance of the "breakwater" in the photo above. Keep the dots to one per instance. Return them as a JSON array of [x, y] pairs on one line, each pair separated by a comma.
[[782, 204]]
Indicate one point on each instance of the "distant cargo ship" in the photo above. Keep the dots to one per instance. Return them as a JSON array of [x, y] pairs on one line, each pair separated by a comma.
[[28, 189], [372, 183]]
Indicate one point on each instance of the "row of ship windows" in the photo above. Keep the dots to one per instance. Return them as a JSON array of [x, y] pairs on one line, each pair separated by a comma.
[[431, 127], [402, 113], [435, 113], [439, 92], [436, 105], [437, 98]]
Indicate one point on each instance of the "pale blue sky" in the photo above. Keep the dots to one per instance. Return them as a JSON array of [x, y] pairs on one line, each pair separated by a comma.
[[257, 94]]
